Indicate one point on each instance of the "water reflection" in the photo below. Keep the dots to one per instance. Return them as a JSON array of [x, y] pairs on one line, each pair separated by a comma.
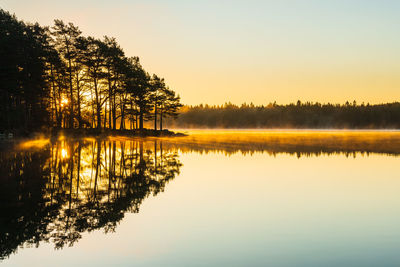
[[299, 143], [55, 192]]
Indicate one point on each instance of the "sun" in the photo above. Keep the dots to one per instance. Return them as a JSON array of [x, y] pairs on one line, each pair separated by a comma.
[[64, 102], [64, 153]]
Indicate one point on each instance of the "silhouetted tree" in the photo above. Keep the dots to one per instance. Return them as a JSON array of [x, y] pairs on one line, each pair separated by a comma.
[[157, 87], [170, 105], [66, 36], [58, 78], [23, 83], [138, 88]]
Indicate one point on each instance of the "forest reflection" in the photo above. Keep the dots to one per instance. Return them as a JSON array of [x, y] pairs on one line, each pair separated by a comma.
[[298, 142], [58, 190]]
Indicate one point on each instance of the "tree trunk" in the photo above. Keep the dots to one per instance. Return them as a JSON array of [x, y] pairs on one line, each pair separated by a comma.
[[155, 116], [93, 108], [105, 116], [122, 124], [78, 101], [71, 93], [140, 119], [98, 107], [114, 116], [132, 115], [109, 100], [54, 95], [60, 109], [98, 115], [161, 116]]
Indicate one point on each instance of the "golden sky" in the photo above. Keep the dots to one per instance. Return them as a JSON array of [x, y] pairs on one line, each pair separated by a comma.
[[248, 51]]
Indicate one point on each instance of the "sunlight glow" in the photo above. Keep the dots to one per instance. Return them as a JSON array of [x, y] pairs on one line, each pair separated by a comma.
[[38, 143], [64, 153], [64, 102]]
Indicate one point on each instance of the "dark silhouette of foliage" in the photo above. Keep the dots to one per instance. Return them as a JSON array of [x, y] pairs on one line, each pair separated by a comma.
[[299, 115], [57, 78], [23, 93]]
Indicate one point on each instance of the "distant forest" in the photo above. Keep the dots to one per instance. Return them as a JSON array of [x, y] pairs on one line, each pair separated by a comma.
[[296, 115], [53, 77]]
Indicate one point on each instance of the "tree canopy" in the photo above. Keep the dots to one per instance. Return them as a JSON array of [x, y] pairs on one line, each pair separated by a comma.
[[296, 115], [54, 77]]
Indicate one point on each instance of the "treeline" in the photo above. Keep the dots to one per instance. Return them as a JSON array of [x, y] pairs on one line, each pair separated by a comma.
[[297, 115], [55, 77]]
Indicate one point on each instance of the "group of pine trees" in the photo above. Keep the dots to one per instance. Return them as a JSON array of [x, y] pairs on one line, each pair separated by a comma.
[[55, 77], [295, 115]]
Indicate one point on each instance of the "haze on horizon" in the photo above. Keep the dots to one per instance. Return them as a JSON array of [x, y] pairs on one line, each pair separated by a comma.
[[248, 51]]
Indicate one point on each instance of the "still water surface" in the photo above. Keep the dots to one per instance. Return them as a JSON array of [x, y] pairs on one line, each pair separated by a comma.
[[221, 198]]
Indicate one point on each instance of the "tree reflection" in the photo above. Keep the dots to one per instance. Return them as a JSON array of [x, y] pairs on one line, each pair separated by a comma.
[[67, 188], [296, 143], [61, 189]]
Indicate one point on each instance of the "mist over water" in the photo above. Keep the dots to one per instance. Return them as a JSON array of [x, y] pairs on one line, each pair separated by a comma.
[[277, 198]]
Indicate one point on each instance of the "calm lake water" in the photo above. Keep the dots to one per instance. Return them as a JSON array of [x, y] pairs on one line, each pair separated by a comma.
[[214, 198]]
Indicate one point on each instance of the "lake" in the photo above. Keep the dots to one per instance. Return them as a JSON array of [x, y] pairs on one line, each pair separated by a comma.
[[213, 198]]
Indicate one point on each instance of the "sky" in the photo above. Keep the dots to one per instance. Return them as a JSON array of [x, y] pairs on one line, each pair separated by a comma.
[[214, 51]]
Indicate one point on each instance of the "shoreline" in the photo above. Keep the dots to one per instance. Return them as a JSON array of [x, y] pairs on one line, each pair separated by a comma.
[[10, 135], [108, 132]]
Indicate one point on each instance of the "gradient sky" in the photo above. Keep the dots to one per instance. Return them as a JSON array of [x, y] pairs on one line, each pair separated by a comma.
[[248, 51]]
